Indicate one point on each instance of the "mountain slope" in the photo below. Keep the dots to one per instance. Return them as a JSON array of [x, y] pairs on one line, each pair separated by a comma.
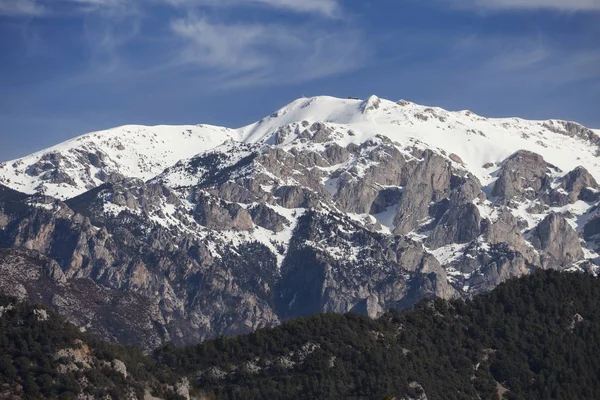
[[327, 205], [475, 139], [42, 356], [535, 337], [531, 338], [110, 314], [80, 164], [77, 165]]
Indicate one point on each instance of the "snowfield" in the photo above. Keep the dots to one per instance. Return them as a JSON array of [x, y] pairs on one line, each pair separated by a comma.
[[476, 140], [132, 151]]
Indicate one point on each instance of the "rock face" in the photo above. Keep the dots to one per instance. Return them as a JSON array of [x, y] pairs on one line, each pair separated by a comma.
[[578, 184], [560, 244], [368, 272], [460, 224], [429, 183], [220, 215], [326, 205], [505, 231], [107, 313], [522, 176]]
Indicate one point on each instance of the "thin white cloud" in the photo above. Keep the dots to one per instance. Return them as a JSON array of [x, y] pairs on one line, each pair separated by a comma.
[[229, 46], [328, 8], [559, 5], [535, 62], [20, 8], [41, 8], [231, 53], [252, 54], [506, 56], [103, 3], [325, 7]]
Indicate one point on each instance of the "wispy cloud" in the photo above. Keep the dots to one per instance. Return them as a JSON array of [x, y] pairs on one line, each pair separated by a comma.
[[559, 5], [122, 7], [105, 39], [38, 8], [325, 7], [503, 55], [102, 3], [230, 46], [536, 62], [20, 8], [328, 8], [213, 42], [250, 54]]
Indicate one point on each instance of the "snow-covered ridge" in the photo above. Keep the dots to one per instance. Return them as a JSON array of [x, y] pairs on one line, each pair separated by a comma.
[[72, 167], [478, 141]]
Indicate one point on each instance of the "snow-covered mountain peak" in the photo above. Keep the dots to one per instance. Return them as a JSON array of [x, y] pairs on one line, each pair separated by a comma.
[[79, 164], [480, 144], [478, 141], [371, 104]]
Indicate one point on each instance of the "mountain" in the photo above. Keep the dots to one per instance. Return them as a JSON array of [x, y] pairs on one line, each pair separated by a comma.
[[327, 205], [85, 162]]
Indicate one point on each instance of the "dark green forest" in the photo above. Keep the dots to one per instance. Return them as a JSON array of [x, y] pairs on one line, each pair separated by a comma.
[[532, 338], [32, 366], [538, 337]]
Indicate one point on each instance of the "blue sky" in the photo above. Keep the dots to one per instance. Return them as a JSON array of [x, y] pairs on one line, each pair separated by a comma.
[[72, 66]]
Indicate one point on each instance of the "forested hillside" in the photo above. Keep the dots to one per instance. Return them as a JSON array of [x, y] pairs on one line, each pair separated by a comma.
[[533, 338], [42, 356]]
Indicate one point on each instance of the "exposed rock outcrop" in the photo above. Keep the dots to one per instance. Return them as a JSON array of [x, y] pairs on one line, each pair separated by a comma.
[[558, 241], [107, 313], [389, 272], [524, 175], [461, 224], [576, 185], [505, 230], [219, 215], [268, 218], [429, 182]]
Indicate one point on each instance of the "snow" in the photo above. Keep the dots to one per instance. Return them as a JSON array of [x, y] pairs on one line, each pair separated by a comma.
[[258, 234], [133, 151], [115, 210], [44, 206], [447, 254], [386, 218], [144, 152], [476, 140]]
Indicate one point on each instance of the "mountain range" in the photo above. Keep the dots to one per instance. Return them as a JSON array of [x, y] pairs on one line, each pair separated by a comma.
[[148, 235]]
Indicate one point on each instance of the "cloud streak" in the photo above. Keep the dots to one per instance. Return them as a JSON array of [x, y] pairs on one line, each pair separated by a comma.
[[253, 54], [38, 8], [503, 5], [327, 8], [534, 63], [20, 8], [230, 46], [211, 43]]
